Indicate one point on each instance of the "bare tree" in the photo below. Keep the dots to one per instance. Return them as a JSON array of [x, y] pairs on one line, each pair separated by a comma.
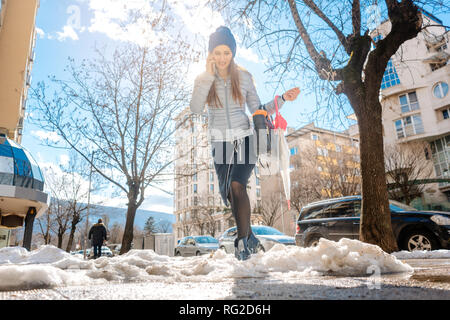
[[321, 173], [164, 226], [203, 216], [116, 233], [46, 224], [328, 43], [76, 193], [269, 210], [61, 212], [405, 167], [117, 113]]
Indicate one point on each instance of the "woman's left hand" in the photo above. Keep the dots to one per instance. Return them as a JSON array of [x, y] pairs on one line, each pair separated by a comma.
[[291, 94]]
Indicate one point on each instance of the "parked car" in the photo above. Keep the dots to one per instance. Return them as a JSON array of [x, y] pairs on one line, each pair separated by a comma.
[[80, 252], [115, 248], [106, 252], [268, 237], [338, 218], [196, 245]]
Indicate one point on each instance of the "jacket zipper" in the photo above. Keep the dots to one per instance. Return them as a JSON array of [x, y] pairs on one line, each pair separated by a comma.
[[226, 106]]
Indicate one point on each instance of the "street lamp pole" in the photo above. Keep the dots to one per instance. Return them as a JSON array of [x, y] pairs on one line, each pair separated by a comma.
[[88, 207]]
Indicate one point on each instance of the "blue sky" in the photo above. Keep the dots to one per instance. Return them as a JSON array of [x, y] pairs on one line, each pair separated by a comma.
[[72, 28]]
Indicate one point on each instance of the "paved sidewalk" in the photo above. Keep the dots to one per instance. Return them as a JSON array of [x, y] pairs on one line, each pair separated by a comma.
[[430, 280]]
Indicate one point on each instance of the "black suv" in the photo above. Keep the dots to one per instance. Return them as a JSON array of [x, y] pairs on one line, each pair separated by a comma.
[[338, 218]]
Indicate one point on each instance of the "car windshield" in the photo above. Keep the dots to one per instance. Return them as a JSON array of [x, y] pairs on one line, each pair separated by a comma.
[[263, 230], [206, 240], [398, 206]]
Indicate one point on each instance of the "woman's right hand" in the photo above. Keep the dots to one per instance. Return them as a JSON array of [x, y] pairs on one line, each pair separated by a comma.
[[211, 64]]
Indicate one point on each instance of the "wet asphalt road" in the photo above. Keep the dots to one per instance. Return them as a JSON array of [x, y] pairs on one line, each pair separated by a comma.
[[429, 281]]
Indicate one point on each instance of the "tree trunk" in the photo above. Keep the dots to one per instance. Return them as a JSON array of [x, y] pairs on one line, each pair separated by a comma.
[[71, 236], [60, 240], [28, 233], [47, 238], [128, 232], [375, 225]]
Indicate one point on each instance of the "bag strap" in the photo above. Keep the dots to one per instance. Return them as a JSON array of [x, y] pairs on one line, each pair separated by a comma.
[[276, 105]]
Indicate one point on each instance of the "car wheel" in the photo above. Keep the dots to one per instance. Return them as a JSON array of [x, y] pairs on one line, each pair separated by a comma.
[[419, 240], [261, 248], [224, 249], [197, 253], [178, 254], [312, 241]]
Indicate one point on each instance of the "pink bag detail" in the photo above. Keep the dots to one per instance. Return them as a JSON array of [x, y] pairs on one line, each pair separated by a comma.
[[279, 122]]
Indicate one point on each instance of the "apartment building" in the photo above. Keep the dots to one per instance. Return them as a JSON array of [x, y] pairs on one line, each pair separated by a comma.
[[323, 163], [198, 206], [21, 182], [17, 42], [416, 103]]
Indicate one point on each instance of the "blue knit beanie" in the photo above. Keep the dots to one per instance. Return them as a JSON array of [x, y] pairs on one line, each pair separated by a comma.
[[224, 36]]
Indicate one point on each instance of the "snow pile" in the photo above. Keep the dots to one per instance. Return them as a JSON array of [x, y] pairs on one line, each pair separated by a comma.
[[435, 254], [44, 255], [49, 266]]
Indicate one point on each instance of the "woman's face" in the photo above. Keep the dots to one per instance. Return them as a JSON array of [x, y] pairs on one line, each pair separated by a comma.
[[222, 55]]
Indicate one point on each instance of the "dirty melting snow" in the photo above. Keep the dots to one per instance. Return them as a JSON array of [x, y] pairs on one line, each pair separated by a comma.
[[49, 266], [435, 254]]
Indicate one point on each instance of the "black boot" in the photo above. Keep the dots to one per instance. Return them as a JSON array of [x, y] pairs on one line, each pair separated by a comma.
[[253, 243], [241, 251]]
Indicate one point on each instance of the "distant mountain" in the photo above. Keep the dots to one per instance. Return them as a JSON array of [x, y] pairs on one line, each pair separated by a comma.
[[119, 215]]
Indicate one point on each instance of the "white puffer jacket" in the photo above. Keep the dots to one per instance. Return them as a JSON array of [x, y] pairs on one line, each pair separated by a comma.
[[230, 122]]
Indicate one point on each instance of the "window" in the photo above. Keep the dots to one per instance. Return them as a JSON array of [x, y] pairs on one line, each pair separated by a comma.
[[442, 48], [314, 137], [195, 201], [446, 113], [211, 177], [257, 181], [390, 77], [211, 188], [338, 148], [322, 152], [342, 209], [440, 90], [258, 192], [294, 151], [440, 150], [409, 126], [435, 66], [409, 102], [318, 212]]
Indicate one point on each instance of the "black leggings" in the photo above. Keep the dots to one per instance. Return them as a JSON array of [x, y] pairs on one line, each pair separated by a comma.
[[233, 178], [240, 206]]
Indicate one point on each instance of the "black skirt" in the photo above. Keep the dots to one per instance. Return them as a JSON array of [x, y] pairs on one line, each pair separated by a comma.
[[233, 161]]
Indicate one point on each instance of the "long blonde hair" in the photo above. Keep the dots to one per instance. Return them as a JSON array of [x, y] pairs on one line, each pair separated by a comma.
[[213, 98]]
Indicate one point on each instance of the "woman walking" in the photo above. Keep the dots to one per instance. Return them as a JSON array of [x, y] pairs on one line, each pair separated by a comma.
[[226, 88]]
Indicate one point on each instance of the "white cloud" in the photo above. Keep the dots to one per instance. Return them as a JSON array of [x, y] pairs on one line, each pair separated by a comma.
[[114, 19], [248, 54], [40, 33], [46, 135], [64, 159], [197, 17], [160, 207], [68, 33]]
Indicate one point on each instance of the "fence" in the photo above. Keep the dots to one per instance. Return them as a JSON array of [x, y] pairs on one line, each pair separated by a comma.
[[161, 243]]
